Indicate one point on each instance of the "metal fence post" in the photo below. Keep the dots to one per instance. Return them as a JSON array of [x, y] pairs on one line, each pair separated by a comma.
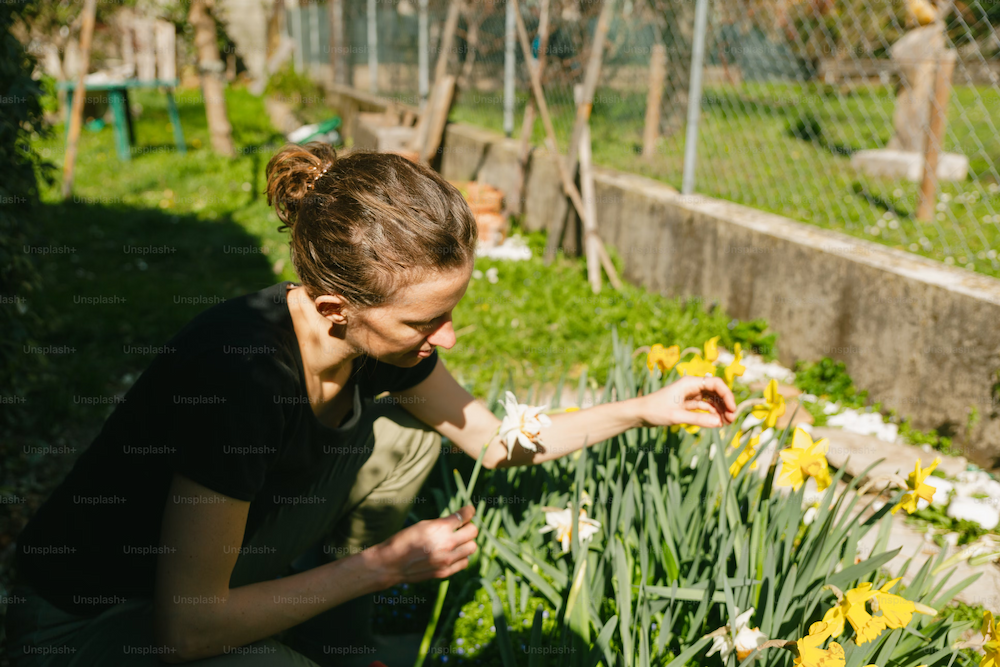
[[423, 57], [372, 48], [508, 71], [296, 26], [313, 37], [694, 97]]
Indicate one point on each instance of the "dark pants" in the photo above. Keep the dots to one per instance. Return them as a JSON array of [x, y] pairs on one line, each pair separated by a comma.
[[371, 485]]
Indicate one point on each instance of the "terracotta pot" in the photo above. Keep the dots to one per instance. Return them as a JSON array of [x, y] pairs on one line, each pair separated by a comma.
[[492, 228], [483, 197]]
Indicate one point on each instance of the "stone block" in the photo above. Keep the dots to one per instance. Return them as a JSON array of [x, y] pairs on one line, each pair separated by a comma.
[[376, 132], [909, 165]]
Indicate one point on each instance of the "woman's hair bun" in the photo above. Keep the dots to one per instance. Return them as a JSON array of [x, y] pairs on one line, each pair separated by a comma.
[[291, 174]]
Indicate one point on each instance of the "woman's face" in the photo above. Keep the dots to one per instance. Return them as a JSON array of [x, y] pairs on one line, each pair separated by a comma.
[[406, 329]]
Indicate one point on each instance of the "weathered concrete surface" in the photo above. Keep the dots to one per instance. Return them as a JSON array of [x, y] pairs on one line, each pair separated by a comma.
[[923, 338], [856, 452]]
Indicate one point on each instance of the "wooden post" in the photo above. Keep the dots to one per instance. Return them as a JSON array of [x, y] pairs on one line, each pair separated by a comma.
[[166, 51], [145, 37], [654, 98], [550, 141], [589, 205], [340, 62], [528, 122], [932, 146], [590, 78], [437, 116], [447, 37], [79, 96]]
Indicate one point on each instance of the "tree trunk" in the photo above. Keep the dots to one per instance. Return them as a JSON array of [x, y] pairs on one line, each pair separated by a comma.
[[211, 69]]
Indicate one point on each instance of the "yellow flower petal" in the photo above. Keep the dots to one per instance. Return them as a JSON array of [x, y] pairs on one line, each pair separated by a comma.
[[712, 348]]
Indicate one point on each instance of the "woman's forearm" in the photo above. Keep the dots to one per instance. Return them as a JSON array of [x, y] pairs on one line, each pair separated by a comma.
[[568, 432], [257, 611]]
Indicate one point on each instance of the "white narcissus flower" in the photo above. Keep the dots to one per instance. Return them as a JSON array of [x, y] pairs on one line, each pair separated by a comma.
[[741, 638], [522, 424], [559, 521], [810, 514]]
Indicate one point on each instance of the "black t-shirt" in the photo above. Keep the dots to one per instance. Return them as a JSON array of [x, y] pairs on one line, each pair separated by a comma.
[[225, 404]]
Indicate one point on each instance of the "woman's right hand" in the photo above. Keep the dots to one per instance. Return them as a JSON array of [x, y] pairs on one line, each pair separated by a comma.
[[434, 548]]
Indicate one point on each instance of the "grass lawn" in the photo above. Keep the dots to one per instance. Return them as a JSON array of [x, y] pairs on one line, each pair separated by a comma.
[[150, 243], [786, 148], [166, 235]]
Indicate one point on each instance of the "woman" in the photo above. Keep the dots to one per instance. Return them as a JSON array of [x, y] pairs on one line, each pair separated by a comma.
[[247, 498]]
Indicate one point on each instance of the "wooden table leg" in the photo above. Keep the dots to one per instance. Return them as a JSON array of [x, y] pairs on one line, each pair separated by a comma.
[[121, 128]]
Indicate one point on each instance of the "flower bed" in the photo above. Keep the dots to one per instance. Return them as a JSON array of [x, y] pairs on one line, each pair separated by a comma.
[[692, 559]]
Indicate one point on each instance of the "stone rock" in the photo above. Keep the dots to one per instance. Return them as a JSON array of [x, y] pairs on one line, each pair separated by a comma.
[[943, 488], [974, 509], [916, 54], [786, 390], [909, 164]]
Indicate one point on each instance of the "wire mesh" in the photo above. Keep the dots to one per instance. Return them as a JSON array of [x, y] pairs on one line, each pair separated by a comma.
[[792, 92]]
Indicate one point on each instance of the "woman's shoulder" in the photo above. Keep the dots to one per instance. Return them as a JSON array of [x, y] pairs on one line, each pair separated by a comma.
[[248, 338]]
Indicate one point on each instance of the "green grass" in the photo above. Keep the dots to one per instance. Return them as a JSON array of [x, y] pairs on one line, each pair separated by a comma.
[[211, 215], [785, 148]]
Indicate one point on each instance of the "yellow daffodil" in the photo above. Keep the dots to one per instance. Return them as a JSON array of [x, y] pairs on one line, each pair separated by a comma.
[[851, 608], [697, 367], [663, 357], [773, 407], [748, 453], [804, 458], [811, 655], [992, 645], [896, 610], [735, 367], [917, 488], [712, 349], [690, 428]]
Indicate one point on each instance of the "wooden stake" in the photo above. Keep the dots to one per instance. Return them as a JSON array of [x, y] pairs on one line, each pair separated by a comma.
[[590, 78], [589, 205], [447, 37], [550, 142], [79, 96], [437, 116], [932, 147], [657, 72], [421, 135]]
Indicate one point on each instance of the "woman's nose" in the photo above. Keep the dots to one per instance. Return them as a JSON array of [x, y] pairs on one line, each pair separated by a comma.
[[444, 336]]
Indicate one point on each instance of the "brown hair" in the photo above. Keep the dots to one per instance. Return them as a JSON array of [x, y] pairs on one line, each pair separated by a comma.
[[363, 224]]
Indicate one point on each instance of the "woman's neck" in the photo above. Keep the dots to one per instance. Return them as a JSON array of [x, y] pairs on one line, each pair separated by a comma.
[[324, 354]]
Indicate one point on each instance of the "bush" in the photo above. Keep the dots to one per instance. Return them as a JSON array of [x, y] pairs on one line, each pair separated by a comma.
[[19, 274]]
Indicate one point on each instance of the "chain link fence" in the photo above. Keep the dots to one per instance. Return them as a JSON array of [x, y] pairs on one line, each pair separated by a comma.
[[792, 93]]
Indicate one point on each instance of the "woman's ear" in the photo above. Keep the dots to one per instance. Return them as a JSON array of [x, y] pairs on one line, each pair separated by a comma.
[[333, 307]]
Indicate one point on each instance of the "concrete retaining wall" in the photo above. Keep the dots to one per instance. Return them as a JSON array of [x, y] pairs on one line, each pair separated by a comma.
[[921, 337]]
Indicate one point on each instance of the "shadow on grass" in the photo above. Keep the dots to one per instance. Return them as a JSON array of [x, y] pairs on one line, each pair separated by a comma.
[[119, 282], [880, 201]]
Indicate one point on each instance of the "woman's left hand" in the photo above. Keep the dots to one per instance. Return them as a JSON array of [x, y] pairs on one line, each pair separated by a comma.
[[675, 403]]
